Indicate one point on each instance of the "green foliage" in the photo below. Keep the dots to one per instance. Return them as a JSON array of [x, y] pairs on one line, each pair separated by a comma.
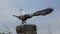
[[6, 33]]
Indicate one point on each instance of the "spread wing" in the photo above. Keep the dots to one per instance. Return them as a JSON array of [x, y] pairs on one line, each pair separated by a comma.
[[43, 12]]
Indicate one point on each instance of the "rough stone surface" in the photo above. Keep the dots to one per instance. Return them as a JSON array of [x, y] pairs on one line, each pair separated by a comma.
[[26, 29]]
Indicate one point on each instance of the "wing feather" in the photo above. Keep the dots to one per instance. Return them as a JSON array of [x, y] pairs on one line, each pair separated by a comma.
[[43, 12]]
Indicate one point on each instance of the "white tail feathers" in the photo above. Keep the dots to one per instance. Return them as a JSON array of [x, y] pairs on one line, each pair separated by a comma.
[[22, 12]]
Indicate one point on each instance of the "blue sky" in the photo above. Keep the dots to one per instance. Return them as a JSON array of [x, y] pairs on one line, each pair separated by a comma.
[[11, 7]]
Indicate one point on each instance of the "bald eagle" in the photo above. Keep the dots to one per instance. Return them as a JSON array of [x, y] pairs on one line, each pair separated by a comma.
[[25, 16]]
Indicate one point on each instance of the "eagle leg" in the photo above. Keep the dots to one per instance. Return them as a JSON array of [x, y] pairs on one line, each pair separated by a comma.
[[23, 21]]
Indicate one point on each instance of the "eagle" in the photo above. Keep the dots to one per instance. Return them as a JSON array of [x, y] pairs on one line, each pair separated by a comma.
[[25, 16]]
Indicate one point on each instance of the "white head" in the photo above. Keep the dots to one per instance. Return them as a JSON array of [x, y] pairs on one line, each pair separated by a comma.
[[22, 12]]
